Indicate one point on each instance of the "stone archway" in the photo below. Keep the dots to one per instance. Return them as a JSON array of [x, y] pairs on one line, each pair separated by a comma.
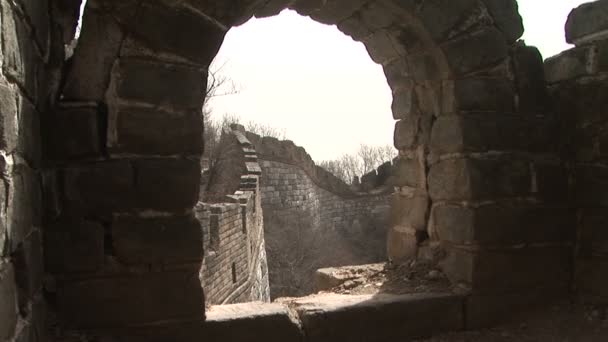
[[126, 140]]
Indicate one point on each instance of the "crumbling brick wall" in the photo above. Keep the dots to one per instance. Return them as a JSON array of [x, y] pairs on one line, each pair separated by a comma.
[[234, 267], [31, 58], [578, 80], [336, 225]]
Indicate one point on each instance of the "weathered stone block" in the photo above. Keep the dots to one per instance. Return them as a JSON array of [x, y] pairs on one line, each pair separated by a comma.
[[532, 92], [593, 227], [582, 103], [587, 22], [569, 64], [307, 7], [553, 182], [479, 179], [405, 102], [481, 94], [381, 318], [184, 32], [73, 245], [503, 223], [29, 270], [590, 277], [444, 19], [406, 132], [522, 268], [24, 200], [476, 51], [75, 133], [157, 240], [9, 119], [95, 54], [132, 299], [408, 172], [160, 84], [20, 58], [157, 132], [8, 298], [489, 310], [591, 186], [376, 15], [168, 184], [402, 244], [336, 11], [409, 212], [38, 15], [507, 18], [382, 47], [493, 132], [100, 187]]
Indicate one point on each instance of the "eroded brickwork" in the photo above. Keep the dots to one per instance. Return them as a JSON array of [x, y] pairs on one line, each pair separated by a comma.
[[235, 268], [110, 193], [578, 80]]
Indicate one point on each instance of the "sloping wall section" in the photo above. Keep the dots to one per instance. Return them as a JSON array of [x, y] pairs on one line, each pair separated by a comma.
[[313, 219], [234, 266]]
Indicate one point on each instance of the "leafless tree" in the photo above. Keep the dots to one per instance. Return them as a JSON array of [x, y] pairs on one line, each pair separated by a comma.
[[365, 160]]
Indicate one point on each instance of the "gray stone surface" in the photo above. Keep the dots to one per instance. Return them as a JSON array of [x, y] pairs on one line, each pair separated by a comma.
[[588, 22]]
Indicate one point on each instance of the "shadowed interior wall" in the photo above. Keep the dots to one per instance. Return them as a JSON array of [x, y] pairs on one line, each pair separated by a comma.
[[480, 168]]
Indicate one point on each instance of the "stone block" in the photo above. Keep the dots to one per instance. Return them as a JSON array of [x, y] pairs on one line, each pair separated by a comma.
[[406, 132], [593, 228], [521, 268], [162, 240], [181, 28], [29, 141], [405, 102], [445, 19], [74, 246], [503, 223], [402, 244], [100, 187], [488, 310], [484, 132], [248, 322], [553, 182], [29, 270], [8, 298], [307, 7], [131, 299], [587, 22], [20, 58], [532, 92], [409, 212], [479, 179], [590, 278], [481, 94], [75, 132], [591, 186], [24, 200], [570, 64], [140, 131], [506, 17], [376, 16], [171, 85], [354, 27], [97, 50], [335, 11], [380, 318], [382, 47], [38, 15], [168, 184], [8, 116], [473, 52], [582, 104]]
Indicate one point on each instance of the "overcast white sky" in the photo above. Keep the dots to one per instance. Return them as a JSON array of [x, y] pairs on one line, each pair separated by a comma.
[[322, 88]]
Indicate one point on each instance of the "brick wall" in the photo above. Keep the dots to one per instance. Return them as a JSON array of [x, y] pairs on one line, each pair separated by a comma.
[[578, 80], [334, 224], [234, 268], [31, 57]]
